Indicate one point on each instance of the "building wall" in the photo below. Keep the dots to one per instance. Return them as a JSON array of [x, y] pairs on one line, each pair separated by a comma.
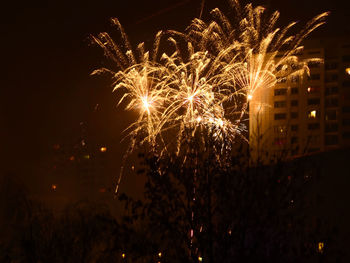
[[306, 114]]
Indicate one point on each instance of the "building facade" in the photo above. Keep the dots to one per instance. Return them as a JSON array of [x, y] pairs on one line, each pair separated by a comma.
[[305, 114]]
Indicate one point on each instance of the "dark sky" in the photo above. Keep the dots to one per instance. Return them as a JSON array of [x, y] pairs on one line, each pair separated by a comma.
[[46, 90]]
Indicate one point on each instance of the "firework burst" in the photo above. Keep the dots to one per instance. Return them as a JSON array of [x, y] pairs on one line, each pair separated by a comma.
[[207, 86]]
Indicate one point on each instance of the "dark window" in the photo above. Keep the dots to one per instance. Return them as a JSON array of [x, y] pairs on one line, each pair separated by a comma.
[[282, 80], [346, 109], [331, 115], [331, 139], [330, 66], [295, 79], [294, 127], [332, 102], [280, 116], [295, 151], [314, 52], [346, 122], [280, 92], [331, 127], [293, 115], [280, 104], [311, 150], [315, 101], [294, 90], [314, 77], [313, 139], [294, 103], [331, 90], [346, 83], [313, 126], [331, 78], [293, 140], [279, 67], [346, 58], [280, 141], [313, 64], [346, 135]]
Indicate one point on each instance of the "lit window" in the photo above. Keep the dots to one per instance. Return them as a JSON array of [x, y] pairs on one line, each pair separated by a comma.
[[315, 89], [280, 129], [320, 247], [312, 114]]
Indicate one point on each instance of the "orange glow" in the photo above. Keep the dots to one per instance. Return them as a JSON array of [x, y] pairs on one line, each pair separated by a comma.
[[103, 149], [56, 146], [320, 247], [249, 97], [72, 158], [123, 255], [160, 254], [200, 259], [54, 187], [347, 70]]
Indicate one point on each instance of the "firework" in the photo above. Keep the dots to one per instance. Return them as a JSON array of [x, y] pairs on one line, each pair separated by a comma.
[[206, 87]]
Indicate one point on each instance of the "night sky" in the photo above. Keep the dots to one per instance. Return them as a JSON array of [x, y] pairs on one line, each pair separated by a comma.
[[46, 59]]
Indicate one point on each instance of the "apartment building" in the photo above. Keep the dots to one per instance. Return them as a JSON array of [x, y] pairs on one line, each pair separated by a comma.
[[308, 113]]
